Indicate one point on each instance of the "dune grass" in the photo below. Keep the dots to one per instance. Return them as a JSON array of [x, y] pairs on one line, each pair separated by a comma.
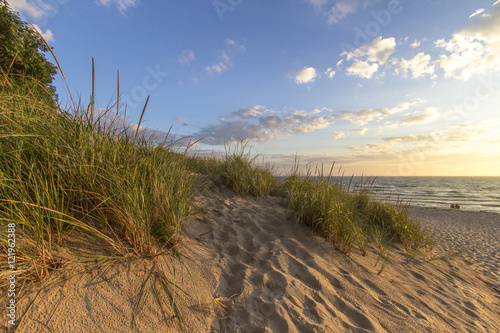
[[75, 171], [240, 173], [346, 215], [238, 170], [350, 217], [66, 175]]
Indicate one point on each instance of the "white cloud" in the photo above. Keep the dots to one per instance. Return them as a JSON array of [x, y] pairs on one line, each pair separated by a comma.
[[225, 58], [317, 3], [40, 9], [300, 122], [330, 72], [419, 117], [462, 133], [235, 45], [186, 57], [305, 75], [415, 44], [48, 35], [220, 67], [367, 59], [259, 124], [339, 135], [475, 49], [36, 9], [415, 118], [362, 69], [338, 9], [360, 131], [121, 5], [419, 65], [365, 116], [378, 50], [245, 113], [477, 12]]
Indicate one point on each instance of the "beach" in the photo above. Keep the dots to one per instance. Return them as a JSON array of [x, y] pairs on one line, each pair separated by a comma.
[[473, 235], [253, 268]]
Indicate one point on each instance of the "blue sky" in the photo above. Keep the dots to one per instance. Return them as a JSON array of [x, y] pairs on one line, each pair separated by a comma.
[[402, 88]]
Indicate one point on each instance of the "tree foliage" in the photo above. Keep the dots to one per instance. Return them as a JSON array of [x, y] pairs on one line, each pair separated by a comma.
[[21, 50]]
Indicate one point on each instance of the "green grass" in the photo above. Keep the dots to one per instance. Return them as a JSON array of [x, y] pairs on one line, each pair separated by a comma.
[[348, 217], [64, 174], [239, 172]]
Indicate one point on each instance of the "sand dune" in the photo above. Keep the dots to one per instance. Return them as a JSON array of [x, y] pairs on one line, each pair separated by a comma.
[[282, 278], [254, 269]]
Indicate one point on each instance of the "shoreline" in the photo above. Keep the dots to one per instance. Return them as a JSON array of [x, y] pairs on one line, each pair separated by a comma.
[[461, 209], [454, 210]]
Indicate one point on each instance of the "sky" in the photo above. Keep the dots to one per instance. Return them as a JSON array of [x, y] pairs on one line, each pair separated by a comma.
[[381, 88]]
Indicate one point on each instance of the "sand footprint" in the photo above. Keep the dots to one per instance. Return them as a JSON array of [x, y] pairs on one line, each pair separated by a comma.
[[355, 316], [302, 273], [275, 283], [372, 286], [277, 323], [297, 250], [311, 311]]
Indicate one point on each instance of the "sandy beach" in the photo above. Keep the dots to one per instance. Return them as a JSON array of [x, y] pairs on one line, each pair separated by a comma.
[[252, 268], [474, 235]]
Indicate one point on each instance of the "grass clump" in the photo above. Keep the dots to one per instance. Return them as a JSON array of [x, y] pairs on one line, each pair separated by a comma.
[[238, 172], [350, 217], [397, 224], [72, 175], [237, 169], [326, 209]]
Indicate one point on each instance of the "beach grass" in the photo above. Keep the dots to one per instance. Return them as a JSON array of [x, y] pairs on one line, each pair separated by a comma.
[[238, 170], [69, 173], [348, 216]]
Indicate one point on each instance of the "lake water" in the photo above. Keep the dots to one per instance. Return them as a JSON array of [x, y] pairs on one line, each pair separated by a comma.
[[471, 193]]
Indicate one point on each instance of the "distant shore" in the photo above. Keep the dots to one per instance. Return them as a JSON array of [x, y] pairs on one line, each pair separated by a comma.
[[476, 235]]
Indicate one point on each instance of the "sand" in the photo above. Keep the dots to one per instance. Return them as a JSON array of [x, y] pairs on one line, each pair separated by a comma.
[[474, 235], [253, 268]]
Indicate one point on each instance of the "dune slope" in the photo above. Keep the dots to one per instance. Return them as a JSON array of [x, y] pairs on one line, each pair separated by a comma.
[[252, 268]]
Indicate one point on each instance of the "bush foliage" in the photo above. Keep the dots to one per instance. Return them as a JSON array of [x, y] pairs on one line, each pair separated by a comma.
[[21, 50]]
